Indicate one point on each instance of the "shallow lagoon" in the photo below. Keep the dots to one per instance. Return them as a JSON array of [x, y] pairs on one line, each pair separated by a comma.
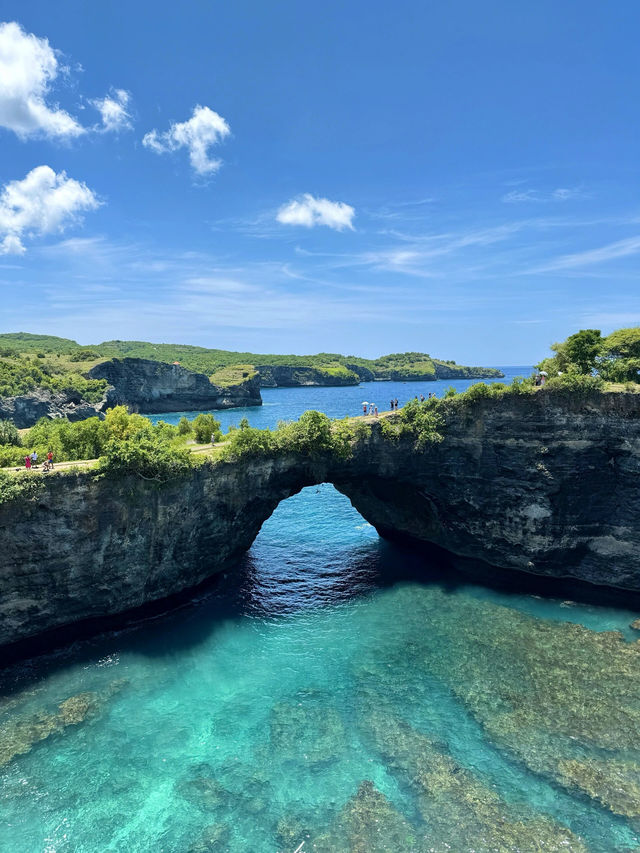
[[338, 691]]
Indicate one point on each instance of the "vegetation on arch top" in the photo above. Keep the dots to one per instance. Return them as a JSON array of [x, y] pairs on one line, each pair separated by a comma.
[[222, 364], [614, 358]]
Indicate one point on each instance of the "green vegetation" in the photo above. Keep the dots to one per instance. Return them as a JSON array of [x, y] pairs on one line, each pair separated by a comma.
[[19, 487], [8, 433], [21, 374], [234, 374], [90, 438], [314, 434], [204, 426], [226, 368], [420, 421], [615, 358]]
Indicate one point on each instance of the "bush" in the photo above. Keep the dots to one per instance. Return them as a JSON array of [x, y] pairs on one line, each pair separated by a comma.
[[204, 426], [9, 433], [249, 442], [145, 456], [420, 420], [576, 383], [21, 486]]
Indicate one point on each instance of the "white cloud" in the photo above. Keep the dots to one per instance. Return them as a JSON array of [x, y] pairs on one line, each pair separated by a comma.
[[28, 66], [204, 129], [310, 211], [113, 110], [42, 203]]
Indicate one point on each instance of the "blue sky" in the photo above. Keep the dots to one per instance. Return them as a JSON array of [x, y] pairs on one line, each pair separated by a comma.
[[363, 177]]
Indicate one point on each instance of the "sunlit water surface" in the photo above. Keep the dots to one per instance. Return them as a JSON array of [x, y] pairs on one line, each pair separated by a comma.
[[249, 720]]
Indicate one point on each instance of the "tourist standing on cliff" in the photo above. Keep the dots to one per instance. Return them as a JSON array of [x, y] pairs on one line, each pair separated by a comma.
[[422, 398], [395, 403]]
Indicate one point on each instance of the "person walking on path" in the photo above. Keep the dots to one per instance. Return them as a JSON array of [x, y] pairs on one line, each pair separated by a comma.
[[391, 405], [34, 459], [364, 408], [395, 402], [375, 411], [50, 459], [27, 461]]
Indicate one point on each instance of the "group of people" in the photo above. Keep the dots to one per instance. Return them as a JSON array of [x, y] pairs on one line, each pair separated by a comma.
[[31, 461], [372, 409]]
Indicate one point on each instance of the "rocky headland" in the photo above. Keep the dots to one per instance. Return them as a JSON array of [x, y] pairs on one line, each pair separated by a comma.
[[544, 484], [143, 385]]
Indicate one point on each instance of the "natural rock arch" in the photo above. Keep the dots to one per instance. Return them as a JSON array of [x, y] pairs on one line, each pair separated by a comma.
[[541, 484]]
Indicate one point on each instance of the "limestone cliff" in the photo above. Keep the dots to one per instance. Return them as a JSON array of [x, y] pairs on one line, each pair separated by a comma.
[[154, 386], [545, 484], [26, 409], [284, 376]]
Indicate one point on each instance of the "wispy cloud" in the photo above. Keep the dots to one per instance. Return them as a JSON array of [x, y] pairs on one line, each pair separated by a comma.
[[610, 252], [558, 194]]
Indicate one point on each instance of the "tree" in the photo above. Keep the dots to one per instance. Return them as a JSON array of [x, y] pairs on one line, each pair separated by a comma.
[[184, 427], [621, 355], [204, 426], [583, 349]]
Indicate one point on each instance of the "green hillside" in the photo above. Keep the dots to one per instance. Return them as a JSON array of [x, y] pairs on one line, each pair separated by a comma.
[[28, 361]]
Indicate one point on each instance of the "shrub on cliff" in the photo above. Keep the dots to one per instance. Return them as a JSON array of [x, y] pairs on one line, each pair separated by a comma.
[[310, 435], [22, 486], [575, 383], [421, 421], [9, 434], [204, 426], [144, 456]]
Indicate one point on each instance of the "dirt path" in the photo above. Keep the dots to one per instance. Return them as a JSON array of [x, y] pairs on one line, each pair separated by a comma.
[[89, 463]]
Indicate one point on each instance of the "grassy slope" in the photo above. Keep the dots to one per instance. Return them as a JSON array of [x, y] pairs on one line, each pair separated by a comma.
[[224, 367]]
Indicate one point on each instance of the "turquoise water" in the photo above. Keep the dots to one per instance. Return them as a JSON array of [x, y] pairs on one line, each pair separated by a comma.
[[253, 719], [289, 403]]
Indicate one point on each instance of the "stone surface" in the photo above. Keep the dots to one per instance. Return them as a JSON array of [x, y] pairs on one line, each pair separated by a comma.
[[282, 376], [154, 386], [26, 409], [105, 546]]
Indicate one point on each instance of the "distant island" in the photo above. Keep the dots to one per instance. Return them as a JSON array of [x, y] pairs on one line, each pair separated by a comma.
[[47, 376]]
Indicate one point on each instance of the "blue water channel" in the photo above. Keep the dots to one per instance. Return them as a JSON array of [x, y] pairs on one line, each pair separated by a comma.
[[334, 693]]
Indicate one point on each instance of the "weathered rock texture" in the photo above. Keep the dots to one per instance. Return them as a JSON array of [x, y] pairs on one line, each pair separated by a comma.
[[26, 409], [154, 386], [545, 484], [283, 376]]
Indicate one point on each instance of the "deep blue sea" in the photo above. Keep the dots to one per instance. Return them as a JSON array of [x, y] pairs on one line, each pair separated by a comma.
[[334, 693]]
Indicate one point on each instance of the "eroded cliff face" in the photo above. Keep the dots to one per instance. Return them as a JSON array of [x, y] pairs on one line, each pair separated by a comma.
[[283, 376], [543, 484], [154, 386], [26, 409]]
